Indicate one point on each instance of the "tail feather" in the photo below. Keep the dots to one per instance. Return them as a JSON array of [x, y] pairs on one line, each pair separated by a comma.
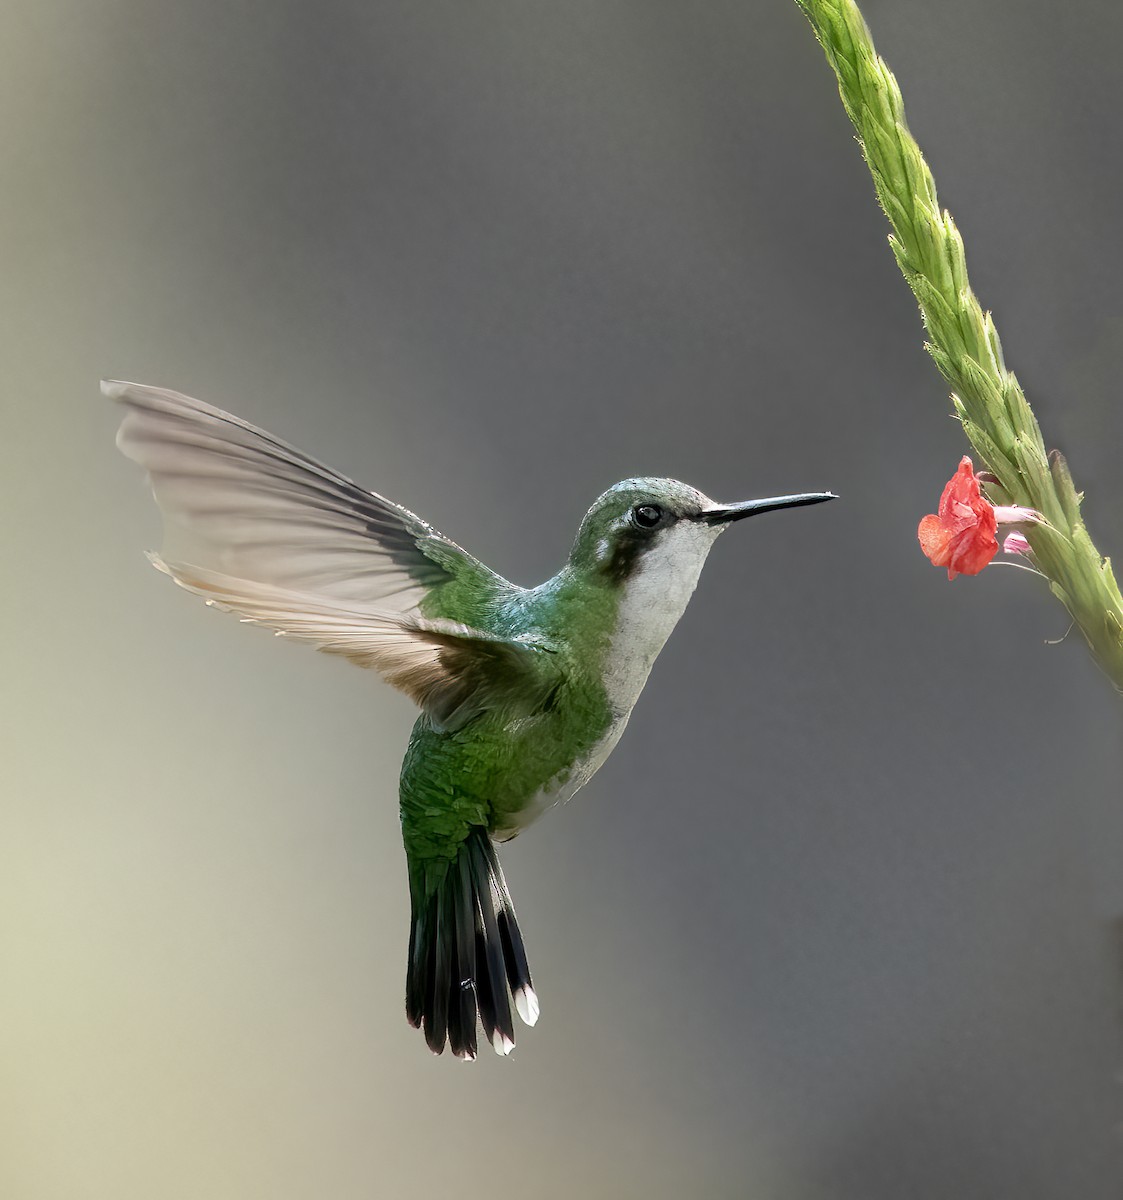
[[462, 1017], [514, 952], [416, 971], [502, 1031], [466, 957], [440, 976]]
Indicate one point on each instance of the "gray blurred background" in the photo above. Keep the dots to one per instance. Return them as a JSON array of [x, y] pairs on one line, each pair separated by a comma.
[[838, 920]]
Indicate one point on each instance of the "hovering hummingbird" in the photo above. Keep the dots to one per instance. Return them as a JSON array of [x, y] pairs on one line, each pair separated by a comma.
[[523, 691]]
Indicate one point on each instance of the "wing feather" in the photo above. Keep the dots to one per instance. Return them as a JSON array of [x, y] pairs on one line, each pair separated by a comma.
[[451, 671], [258, 508], [286, 542]]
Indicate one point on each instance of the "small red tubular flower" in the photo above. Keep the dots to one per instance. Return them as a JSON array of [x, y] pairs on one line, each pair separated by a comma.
[[960, 535]]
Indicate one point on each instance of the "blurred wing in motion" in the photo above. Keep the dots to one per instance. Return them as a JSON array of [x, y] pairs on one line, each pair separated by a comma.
[[259, 509], [286, 542]]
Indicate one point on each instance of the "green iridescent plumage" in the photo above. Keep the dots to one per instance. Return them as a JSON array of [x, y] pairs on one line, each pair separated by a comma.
[[523, 691]]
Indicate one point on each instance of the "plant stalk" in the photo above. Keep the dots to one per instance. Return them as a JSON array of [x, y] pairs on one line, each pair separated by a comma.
[[963, 340]]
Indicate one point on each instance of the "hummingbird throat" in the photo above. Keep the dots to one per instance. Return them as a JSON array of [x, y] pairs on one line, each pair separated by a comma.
[[652, 599]]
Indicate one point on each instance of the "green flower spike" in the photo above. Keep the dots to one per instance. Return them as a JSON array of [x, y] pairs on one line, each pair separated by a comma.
[[963, 340]]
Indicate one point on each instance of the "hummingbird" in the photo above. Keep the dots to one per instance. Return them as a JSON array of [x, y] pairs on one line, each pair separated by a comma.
[[523, 692]]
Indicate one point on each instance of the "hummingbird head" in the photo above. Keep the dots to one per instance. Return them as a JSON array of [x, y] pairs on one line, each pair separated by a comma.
[[643, 524]]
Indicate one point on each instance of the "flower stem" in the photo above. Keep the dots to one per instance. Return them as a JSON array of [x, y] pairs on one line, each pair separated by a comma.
[[963, 340]]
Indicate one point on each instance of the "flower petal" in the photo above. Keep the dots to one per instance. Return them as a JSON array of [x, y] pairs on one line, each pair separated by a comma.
[[960, 535], [1017, 516], [961, 492], [935, 539], [972, 549]]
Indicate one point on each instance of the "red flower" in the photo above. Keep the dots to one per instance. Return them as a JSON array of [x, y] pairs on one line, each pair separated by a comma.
[[960, 535]]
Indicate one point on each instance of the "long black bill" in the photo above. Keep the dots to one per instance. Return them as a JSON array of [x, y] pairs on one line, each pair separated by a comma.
[[750, 508]]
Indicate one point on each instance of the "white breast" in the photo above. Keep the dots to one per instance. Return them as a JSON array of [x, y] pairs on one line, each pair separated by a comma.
[[654, 599]]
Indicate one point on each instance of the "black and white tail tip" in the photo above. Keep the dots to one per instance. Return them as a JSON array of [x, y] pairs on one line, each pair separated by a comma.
[[466, 957]]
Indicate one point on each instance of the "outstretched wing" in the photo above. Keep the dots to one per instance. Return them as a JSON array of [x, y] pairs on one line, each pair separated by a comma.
[[286, 542], [259, 509]]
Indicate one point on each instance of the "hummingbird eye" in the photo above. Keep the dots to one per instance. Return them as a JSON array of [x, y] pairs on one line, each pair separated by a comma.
[[647, 516]]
